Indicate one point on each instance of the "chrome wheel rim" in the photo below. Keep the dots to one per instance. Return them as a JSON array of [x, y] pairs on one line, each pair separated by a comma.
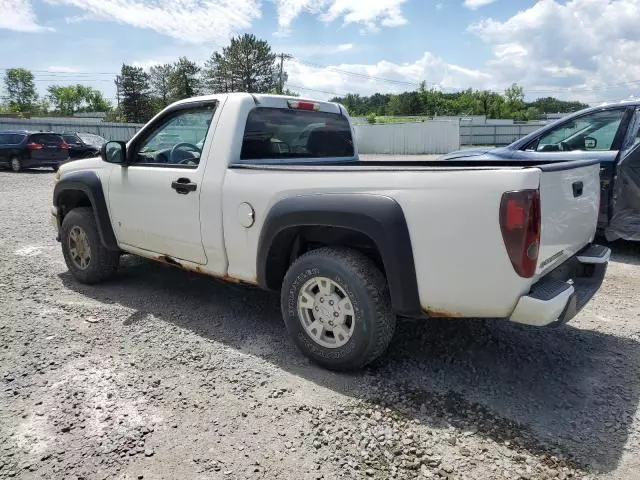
[[15, 164], [326, 312], [79, 248]]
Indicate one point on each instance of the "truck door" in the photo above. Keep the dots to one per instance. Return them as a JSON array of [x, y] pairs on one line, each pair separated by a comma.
[[155, 201], [625, 204]]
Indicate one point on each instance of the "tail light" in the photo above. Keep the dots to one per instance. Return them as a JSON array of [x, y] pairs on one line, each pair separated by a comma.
[[64, 146], [301, 105], [520, 226], [35, 146]]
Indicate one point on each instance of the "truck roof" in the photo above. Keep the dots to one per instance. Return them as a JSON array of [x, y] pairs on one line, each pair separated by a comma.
[[258, 98]]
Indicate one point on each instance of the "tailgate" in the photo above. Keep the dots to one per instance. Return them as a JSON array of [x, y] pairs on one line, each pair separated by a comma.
[[569, 203]]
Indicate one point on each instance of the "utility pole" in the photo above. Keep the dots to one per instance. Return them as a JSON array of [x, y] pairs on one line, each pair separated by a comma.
[[283, 57], [117, 81]]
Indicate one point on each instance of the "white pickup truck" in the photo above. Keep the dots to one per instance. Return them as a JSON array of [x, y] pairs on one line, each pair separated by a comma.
[[270, 191]]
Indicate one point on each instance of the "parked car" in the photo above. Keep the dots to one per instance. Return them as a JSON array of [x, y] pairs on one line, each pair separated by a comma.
[[83, 145], [609, 134], [23, 149], [350, 244]]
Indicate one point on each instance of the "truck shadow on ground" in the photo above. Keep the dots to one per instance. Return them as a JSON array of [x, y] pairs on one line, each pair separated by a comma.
[[565, 390], [624, 252]]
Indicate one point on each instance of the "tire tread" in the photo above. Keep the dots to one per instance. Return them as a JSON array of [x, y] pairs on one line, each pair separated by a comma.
[[375, 284], [107, 260]]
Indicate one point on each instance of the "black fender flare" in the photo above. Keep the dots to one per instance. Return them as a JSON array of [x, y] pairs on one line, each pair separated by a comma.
[[89, 184], [377, 216]]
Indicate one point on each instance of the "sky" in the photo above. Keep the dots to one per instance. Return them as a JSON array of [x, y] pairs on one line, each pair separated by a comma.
[[586, 50]]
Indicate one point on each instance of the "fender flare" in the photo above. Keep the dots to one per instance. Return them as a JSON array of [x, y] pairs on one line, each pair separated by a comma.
[[89, 184], [378, 217]]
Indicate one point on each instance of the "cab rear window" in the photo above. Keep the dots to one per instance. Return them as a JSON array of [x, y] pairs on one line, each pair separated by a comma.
[[286, 134]]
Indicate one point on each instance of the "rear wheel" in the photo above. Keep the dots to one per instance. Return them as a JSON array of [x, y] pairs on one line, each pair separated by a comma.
[[337, 308], [16, 164], [87, 259]]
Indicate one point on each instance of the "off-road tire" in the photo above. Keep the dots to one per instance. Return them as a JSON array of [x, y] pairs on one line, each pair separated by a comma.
[[368, 291], [103, 263]]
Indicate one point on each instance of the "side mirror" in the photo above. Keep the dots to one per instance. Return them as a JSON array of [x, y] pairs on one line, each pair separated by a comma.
[[590, 143], [114, 152]]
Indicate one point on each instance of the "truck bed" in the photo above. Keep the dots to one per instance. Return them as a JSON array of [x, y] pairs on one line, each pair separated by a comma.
[[396, 165]]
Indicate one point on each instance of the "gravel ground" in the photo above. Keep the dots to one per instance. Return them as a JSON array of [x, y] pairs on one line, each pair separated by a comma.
[[161, 373]]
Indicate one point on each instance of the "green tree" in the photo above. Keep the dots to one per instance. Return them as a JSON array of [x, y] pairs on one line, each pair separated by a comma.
[[184, 80], [21, 90], [69, 99], [553, 105], [96, 102], [514, 102], [246, 65], [136, 104], [159, 76], [65, 99], [531, 113]]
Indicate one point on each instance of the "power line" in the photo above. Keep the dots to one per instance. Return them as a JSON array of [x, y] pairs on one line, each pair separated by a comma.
[[361, 75], [297, 87]]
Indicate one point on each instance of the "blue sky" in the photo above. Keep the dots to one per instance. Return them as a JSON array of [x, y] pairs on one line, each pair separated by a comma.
[[582, 49]]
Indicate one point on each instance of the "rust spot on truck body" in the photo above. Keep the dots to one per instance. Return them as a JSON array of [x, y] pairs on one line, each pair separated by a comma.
[[167, 260], [441, 313]]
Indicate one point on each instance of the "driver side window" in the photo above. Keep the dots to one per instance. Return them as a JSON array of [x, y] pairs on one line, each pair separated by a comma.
[[178, 141], [593, 132]]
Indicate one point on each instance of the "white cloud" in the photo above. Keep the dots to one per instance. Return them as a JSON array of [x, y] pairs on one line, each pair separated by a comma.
[[193, 21], [372, 14], [314, 50], [18, 15], [475, 4], [587, 49], [382, 77]]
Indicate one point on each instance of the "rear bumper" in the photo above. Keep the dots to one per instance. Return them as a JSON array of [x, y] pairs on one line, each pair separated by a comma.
[[560, 295]]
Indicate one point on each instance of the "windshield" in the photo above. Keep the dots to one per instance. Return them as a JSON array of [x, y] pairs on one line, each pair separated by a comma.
[[92, 139]]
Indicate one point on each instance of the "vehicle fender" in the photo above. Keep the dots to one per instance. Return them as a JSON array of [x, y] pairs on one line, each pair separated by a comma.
[[377, 216], [89, 184]]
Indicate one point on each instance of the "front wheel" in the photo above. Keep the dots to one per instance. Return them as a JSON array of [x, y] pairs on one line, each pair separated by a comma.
[[336, 306], [87, 259], [16, 164]]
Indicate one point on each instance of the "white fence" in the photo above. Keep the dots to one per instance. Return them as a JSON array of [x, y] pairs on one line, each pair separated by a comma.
[[432, 137], [495, 134], [110, 131], [429, 137]]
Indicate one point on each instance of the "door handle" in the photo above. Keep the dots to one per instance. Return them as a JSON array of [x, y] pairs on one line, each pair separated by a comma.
[[183, 186], [577, 189]]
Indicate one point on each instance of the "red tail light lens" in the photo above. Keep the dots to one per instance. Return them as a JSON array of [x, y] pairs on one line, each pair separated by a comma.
[[520, 226], [301, 105], [64, 146], [35, 146]]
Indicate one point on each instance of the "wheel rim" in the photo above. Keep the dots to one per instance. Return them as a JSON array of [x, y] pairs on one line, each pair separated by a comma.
[[15, 164], [326, 312], [79, 248]]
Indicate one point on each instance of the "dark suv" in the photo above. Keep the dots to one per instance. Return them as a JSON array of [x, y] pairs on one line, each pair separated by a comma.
[[23, 149], [83, 145]]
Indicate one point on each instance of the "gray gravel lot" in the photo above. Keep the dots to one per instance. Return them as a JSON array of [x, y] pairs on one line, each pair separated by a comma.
[[161, 373]]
